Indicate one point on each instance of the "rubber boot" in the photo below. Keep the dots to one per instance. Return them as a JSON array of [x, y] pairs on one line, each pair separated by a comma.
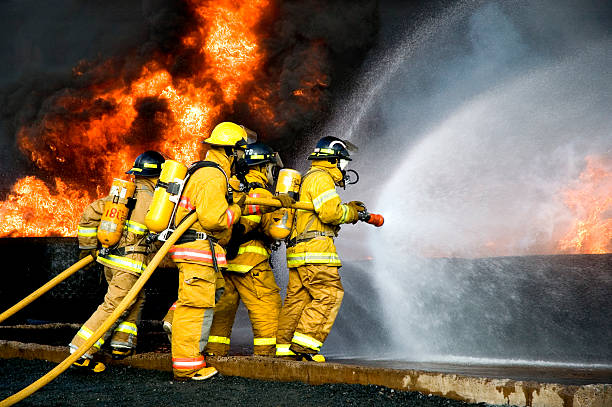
[[86, 364], [119, 353], [311, 357], [205, 373]]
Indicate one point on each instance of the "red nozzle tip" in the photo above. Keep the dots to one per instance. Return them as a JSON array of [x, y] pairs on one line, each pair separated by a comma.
[[376, 220]]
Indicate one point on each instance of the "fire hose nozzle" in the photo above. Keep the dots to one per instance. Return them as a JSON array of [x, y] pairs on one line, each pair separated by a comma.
[[372, 218]]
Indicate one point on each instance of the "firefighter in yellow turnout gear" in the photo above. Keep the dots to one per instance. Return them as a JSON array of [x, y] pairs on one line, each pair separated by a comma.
[[314, 290], [123, 264], [249, 275], [200, 253]]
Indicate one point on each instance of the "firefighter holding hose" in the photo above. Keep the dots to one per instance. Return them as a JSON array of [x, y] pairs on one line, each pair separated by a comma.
[[314, 290], [249, 275], [200, 251], [117, 222]]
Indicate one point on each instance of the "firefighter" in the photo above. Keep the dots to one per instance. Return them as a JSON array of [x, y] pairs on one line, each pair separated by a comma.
[[123, 264], [249, 275], [199, 253], [314, 290]]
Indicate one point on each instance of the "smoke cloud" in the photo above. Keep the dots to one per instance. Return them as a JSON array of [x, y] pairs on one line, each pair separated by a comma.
[[58, 53]]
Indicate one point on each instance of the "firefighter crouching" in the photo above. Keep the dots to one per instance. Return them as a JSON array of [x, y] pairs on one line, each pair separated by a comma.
[[123, 263], [249, 274], [200, 253], [314, 290]]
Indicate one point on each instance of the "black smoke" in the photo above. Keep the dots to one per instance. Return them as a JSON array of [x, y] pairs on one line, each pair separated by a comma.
[[61, 49], [314, 49]]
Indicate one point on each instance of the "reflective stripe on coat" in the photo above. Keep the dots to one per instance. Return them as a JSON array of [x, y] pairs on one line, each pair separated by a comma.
[[318, 186]]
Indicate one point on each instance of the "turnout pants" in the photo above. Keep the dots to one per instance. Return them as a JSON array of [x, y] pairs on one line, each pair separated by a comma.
[[261, 296], [124, 332], [314, 296], [199, 288]]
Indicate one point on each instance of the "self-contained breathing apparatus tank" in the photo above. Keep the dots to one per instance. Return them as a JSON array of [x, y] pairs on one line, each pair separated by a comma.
[[172, 180], [166, 196], [115, 212], [288, 183]]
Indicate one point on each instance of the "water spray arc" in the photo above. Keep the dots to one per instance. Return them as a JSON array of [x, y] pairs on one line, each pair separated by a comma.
[[480, 132]]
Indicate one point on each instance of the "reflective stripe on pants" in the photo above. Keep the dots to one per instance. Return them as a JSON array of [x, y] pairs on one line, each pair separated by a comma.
[[260, 294], [119, 283], [199, 288], [314, 296]]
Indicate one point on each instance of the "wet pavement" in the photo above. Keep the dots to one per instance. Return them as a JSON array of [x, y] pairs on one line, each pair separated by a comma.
[[567, 375]]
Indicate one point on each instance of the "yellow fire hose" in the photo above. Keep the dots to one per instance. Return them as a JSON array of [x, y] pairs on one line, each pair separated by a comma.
[[131, 295], [49, 285], [371, 218], [86, 260], [306, 206]]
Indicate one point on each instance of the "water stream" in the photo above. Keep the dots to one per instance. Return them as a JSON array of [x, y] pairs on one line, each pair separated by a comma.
[[468, 131]]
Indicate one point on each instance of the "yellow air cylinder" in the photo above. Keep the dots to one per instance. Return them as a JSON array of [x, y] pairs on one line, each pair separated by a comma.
[[115, 212], [288, 183], [165, 196]]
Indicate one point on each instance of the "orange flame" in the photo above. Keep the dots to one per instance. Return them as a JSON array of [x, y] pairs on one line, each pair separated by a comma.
[[95, 140], [591, 203], [27, 210]]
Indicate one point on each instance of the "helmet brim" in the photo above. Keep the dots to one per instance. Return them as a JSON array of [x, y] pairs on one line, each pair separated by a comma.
[[314, 156]]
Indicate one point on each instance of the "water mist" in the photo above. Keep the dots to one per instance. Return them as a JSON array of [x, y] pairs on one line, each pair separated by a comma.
[[467, 136]]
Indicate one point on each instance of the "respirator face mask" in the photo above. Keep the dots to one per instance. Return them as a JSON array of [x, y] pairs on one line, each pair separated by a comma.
[[273, 167], [350, 177], [239, 163]]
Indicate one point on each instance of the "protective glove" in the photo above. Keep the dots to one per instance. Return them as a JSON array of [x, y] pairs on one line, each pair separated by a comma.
[[285, 200], [240, 201], [231, 250], [353, 215], [357, 205]]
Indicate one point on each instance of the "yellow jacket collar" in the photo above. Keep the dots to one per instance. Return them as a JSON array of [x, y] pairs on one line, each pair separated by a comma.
[[256, 176], [330, 168], [146, 182], [217, 154]]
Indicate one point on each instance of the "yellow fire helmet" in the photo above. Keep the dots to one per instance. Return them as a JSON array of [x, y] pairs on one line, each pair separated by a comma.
[[228, 134]]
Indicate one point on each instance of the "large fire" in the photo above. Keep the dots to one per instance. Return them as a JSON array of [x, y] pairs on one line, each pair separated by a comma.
[[91, 135], [94, 134], [591, 202]]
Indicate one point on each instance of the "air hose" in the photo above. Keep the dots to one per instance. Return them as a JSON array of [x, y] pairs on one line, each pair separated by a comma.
[[123, 305]]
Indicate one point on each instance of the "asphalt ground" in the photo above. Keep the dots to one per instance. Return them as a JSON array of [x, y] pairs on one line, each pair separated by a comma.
[[127, 386]]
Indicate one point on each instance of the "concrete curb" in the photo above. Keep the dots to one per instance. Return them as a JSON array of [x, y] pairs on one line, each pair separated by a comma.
[[452, 386]]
